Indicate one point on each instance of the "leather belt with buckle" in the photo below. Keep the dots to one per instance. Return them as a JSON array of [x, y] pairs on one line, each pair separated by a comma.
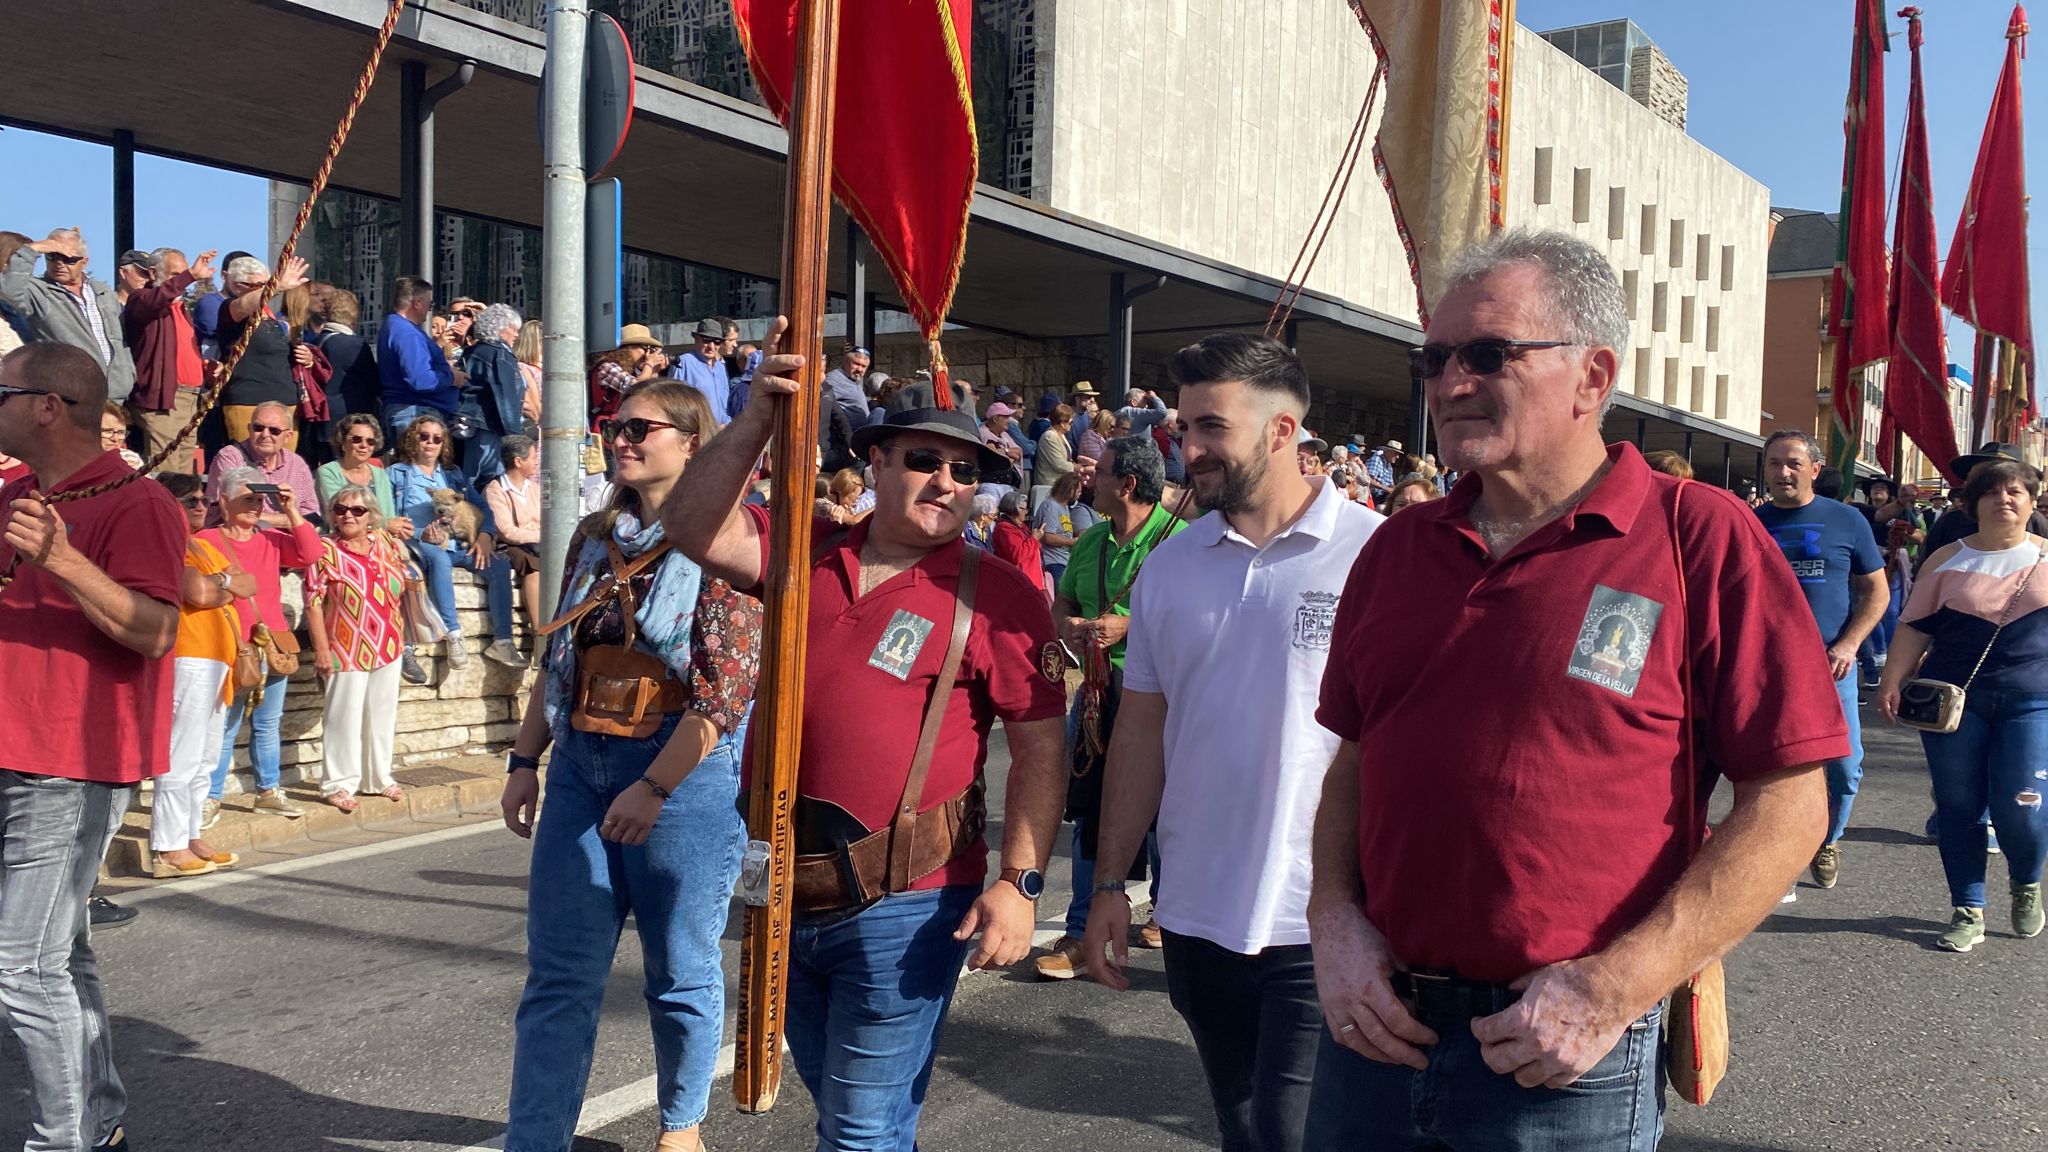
[[1445, 994]]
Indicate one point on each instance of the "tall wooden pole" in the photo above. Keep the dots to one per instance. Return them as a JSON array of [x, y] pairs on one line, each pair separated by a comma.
[[778, 705]]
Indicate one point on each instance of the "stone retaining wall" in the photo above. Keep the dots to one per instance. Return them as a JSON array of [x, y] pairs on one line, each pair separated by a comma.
[[458, 711]]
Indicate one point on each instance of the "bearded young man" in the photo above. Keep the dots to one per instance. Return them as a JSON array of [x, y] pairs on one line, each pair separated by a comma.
[[1216, 740], [874, 958]]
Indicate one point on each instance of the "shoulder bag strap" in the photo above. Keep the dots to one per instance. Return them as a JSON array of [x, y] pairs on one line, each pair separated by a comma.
[[2004, 618], [928, 733], [620, 577], [1695, 818], [1102, 605]]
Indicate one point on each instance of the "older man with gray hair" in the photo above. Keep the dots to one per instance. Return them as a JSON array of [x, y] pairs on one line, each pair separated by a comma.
[[1509, 880], [68, 307], [168, 370], [263, 376], [264, 451]]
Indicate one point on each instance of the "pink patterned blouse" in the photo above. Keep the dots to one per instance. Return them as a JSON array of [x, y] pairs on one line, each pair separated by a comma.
[[360, 595]]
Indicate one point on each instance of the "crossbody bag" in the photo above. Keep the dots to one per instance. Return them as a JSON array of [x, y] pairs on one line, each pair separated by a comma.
[[1937, 705], [620, 690]]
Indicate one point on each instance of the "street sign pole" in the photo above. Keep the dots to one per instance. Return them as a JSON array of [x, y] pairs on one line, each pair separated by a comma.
[[562, 263]]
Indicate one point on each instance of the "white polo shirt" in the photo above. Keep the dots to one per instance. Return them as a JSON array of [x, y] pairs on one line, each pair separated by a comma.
[[1235, 638]]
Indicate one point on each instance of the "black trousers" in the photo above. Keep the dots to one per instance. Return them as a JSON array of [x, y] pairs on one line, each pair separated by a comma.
[[1256, 1023]]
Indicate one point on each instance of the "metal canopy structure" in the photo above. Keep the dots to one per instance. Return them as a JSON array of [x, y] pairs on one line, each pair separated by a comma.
[[703, 173]]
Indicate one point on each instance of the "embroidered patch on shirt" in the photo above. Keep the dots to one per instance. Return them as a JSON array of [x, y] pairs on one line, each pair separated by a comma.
[[1614, 639], [1051, 663], [901, 641], [1315, 620]]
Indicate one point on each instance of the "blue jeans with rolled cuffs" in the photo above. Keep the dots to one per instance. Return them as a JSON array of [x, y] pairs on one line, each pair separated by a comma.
[[438, 564], [868, 995], [1460, 1103], [678, 887], [266, 748]]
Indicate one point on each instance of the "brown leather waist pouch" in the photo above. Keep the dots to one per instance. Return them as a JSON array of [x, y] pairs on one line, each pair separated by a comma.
[[621, 691], [857, 872]]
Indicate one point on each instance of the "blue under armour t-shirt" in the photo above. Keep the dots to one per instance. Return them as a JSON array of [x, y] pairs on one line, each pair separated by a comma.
[[1825, 542]]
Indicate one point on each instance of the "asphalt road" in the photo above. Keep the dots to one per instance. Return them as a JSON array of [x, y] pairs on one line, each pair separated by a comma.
[[361, 997]]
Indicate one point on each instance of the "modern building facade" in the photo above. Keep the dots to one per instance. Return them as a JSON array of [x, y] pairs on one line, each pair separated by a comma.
[[1624, 55]]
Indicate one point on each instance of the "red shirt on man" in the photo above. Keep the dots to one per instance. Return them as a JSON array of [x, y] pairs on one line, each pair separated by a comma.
[[1520, 790], [79, 704], [870, 665]]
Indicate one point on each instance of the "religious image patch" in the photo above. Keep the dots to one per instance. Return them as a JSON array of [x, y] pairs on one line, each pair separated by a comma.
[[901, 641], [1051, 664], [1314, 620], [1614, 639]]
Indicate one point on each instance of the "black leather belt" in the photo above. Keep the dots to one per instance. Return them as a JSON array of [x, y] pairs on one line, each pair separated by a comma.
[[1444, 994]]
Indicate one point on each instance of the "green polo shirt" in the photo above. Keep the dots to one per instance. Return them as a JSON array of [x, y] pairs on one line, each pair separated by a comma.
[[1083, 581]]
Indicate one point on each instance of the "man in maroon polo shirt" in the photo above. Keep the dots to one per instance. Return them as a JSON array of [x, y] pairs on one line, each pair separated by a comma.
[[86, 630], [1502, 896], [873, 965]]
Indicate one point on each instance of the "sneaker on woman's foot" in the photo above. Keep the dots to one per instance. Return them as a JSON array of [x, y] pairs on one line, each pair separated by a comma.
[[2026, 910], [1965, 931], [409, 669], [456, 653], [1827, 865], [210, 815], [507, 653], [275, 803]]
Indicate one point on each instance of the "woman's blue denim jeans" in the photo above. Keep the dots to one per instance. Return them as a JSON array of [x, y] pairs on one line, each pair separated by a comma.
[[1996, 758], [264, 748], [438, 563], [868, 995], [678, 887]]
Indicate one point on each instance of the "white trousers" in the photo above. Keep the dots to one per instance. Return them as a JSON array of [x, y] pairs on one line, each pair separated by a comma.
[[198, 722], [362, 718]]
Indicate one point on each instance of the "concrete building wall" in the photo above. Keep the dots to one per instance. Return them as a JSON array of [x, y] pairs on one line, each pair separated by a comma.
[[1687, 230], [1214, 127]]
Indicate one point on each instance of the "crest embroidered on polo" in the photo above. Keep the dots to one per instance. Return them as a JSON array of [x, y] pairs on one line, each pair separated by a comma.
[[1314, 620], [901, 641], [1614, 639], [1051, 664]]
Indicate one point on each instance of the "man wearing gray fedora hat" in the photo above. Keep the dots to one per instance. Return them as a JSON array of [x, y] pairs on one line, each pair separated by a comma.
[[704, 368], [902, 615]]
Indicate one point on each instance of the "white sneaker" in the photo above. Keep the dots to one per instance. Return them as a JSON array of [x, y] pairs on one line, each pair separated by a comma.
[[1791, 896], [457, 655], [505, 652]]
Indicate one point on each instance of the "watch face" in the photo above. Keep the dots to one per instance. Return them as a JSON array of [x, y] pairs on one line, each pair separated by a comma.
[[1031, 882]]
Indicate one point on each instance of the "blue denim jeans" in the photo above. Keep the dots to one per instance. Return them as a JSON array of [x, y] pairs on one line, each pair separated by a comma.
[[438, 565], [480, 457], [1878, 644], [1997, 758], [678, 887], [264, 749], [1084, 879], [1460, 1103], [1845, 776], [868, 995], [53, 835], [399, 417]]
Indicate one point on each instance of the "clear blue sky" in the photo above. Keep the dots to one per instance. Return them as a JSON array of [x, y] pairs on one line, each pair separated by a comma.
[[1767, 87]]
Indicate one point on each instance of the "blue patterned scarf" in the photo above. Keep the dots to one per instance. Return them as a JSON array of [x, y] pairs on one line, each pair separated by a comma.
[[663, 621]]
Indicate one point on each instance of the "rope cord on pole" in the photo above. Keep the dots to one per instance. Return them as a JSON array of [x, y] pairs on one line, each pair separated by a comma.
[[210, 394]]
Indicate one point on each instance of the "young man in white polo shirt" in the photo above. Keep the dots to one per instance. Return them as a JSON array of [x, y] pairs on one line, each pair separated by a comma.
[[1229, 631]]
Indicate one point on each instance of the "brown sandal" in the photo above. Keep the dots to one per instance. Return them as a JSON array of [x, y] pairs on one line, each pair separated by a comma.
[[342, 800]]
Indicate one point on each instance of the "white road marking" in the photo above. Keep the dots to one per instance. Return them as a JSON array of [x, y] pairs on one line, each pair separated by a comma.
[[241, 875]]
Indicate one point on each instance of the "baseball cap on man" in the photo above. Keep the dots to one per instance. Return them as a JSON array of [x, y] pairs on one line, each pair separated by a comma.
[[1000, 409], [135, 256]]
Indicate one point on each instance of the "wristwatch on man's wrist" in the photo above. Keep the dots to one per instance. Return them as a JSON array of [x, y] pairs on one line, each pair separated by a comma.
[[1029, 881]]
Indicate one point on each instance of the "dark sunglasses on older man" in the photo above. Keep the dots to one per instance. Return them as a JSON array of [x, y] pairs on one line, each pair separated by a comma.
[[60, 258], [272, 429], [1479, 357], [634, 430], [924, 462]]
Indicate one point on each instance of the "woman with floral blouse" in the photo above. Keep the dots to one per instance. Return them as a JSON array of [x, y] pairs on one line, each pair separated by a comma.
[[353, 598], [640, 814]]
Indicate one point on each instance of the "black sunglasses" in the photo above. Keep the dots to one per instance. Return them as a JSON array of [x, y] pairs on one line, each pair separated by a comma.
[[274, 430], [341, 510], [7, 390], [924, 462], [60, 258], [1479, 357], [635, 429]]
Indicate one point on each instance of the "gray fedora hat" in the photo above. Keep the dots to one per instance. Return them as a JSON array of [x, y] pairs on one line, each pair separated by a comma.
[[953, 424], [708, 329]]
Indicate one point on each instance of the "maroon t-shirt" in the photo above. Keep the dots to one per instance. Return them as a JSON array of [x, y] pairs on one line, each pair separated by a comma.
[[79, 704], [870, 666], [1520, 790]]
